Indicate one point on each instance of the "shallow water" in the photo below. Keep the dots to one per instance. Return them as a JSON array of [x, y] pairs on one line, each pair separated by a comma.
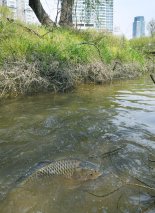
[[87, 123]]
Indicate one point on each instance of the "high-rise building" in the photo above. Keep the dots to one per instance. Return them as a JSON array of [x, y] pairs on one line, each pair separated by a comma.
[[93, 14], [138, 27], [86, 14], [21, 10]]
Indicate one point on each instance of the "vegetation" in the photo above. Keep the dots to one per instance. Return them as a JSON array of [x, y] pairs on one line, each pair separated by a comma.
[[151, 27], [143, 45], [35, 58]]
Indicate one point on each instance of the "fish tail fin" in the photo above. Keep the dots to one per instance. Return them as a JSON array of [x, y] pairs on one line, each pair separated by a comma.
[[32, 170]]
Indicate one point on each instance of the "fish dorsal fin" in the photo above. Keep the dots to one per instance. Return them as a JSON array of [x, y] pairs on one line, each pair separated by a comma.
[[41, 164]]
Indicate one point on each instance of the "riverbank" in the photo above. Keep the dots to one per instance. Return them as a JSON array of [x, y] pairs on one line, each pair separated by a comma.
[[36, 59]]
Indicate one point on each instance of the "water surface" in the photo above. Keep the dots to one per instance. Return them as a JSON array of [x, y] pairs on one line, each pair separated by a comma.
[[86, 123]]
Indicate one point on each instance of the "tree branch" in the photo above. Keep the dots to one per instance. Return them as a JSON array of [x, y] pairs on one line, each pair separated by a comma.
[[27, 28], [97, 48], [40, 13], [152, 78]]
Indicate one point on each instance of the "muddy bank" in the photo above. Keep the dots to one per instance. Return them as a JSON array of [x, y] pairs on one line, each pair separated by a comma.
[[23, 78]]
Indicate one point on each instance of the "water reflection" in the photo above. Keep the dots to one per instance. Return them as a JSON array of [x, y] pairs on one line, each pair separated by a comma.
[[88, 123]]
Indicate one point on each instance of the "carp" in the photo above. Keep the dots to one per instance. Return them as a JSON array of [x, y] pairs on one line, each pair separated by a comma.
[[74, 169]]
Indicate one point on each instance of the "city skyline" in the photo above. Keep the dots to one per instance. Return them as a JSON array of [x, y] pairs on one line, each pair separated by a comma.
[[124, 13], [126, 10]]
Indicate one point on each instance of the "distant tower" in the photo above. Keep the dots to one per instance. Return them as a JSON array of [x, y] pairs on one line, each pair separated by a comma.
[[138, 27]]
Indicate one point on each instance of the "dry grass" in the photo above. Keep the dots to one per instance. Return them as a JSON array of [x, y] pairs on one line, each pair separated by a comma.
[[21, 78], [150, 65], [18, 78], [128, 70], [97, 73]]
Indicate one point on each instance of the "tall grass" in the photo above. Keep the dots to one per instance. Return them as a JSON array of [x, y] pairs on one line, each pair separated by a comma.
[[65, 45], [143, 44]]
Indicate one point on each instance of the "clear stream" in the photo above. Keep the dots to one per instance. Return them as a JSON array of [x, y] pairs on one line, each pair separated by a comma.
[[117, 119]]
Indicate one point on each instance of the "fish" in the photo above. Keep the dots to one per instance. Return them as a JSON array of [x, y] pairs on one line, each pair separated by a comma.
[[74, 169]]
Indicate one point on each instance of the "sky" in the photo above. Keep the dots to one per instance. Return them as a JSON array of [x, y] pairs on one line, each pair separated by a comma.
[[126, 10], [124, 13]]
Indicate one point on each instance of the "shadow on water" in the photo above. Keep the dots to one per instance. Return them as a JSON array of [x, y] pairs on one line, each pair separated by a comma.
[[111, 125]]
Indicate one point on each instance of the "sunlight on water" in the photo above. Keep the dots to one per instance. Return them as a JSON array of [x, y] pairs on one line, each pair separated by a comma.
[[110, 125]]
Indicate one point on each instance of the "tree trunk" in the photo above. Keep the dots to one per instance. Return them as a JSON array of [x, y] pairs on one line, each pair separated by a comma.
[[66, 13], [40, 13]]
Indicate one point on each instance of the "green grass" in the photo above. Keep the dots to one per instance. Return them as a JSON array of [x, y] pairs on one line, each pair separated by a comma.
[[65, 45], [143, 44]]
